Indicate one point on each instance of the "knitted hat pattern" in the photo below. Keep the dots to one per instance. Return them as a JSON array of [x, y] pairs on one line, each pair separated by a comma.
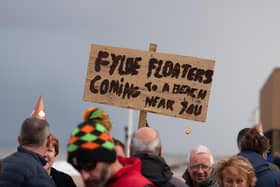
[[90, 141], [94, 113]]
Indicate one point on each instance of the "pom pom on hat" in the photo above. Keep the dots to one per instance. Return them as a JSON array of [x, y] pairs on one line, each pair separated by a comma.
[[39, 110], [90, 141], [94, 113]]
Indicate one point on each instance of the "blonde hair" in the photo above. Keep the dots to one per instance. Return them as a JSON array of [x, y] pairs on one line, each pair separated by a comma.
[[235, 165]]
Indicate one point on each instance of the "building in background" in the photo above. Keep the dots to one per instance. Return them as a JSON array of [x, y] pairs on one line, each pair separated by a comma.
[[270, 109]]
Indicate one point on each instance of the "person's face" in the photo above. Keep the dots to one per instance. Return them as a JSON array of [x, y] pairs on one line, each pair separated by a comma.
[[96, 176], [230, 180], [50, 156], [200, 167], [119, 150]]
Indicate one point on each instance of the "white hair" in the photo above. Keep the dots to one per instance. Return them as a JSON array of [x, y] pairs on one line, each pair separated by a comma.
[[200, 149], [138, 145]]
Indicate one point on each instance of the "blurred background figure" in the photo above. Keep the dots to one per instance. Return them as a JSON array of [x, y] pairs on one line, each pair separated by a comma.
[[276, 159], [253, 145], [60, 178], [146, 145], [200, 167], [119, 147], [0, 167], [241, 134], [235, 171]]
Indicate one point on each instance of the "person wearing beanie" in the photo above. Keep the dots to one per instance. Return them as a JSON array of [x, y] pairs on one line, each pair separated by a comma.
[[91, 151], [25, 166]]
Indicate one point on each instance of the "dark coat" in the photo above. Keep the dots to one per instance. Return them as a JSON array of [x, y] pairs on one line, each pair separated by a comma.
[[276, 161], [62, 179], [209, 182], [156, 170], [24, 168], [265, 176]]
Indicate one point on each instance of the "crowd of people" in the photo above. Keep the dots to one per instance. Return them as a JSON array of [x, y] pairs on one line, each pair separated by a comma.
[[101, 159]]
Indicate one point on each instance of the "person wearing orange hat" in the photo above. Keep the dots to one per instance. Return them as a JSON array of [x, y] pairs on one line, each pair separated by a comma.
[[25, 166]]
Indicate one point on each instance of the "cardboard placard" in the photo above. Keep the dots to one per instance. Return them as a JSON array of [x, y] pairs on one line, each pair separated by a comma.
[[166, 84]]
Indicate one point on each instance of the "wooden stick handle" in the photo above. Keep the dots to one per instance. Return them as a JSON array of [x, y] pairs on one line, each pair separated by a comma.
[[143, 114]]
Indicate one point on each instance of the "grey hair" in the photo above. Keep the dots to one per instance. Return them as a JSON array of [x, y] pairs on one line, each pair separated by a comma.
[[33, 132], [200, 149], [139, 145]]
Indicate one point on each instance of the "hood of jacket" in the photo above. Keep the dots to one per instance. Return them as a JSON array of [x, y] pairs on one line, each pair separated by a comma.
[[155, 168], [258, 162]]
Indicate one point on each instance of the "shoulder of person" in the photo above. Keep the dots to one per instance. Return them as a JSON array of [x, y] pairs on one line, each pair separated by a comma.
[[177, 182]]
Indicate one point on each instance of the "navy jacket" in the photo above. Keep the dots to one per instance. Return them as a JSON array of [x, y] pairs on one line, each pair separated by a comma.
[[24, 168], [265, 176]]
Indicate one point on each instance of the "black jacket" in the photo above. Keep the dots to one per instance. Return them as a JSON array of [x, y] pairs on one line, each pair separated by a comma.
[[24, 168], [156, 170], [62, 179], [276, 161]]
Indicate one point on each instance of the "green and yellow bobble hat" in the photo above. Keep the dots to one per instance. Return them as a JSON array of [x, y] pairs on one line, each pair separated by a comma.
[[90, 141]]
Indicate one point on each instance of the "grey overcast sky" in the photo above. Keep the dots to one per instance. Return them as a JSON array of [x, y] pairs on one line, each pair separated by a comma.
[[45, 45]]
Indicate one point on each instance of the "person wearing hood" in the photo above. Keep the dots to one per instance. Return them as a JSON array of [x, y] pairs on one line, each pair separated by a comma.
[[146, 145], [200, 168]]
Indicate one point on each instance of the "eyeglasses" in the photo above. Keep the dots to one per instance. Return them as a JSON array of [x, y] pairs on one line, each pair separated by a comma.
[[198, 166]]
